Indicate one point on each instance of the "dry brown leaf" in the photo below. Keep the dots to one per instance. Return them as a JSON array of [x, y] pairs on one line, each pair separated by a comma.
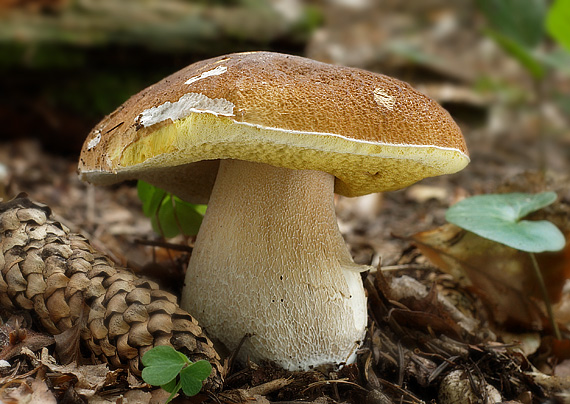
[[34, 391], [90, 378], [563, 369], [41, 394], [439, 312], [20, 337], [459, 387], [427, 321], [501, 275], [556, 386], [67, 345]]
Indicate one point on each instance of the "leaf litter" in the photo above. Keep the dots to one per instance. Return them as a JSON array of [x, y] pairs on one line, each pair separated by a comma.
[[424, 326]]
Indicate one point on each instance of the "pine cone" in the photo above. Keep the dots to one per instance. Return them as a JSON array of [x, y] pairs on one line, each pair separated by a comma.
[[58, 275]]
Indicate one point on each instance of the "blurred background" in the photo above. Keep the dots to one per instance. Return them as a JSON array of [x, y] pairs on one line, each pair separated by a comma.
[[499, 66]]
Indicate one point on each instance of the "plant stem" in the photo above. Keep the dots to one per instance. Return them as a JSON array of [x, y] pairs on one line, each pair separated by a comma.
[[545, 297]]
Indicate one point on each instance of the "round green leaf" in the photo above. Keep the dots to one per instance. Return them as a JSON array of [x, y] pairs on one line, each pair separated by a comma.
[[162, 364], [558, 22], [150, 196], [498, 218], [166, 221], [188, 216], [190, 385], [199, 370], [172, 386], [169, 214]]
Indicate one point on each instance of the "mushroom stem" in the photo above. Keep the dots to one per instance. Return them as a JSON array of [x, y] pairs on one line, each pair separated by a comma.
[[270, 261]]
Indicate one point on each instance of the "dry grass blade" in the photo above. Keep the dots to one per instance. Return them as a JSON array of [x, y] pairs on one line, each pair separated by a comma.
[[330, 382]]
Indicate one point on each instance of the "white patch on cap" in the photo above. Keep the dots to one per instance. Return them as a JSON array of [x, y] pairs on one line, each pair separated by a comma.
[[95, 141], [214, 72], [384, 99], [188, 103]]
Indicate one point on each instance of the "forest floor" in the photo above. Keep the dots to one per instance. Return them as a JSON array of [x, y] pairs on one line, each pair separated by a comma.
[[414, 343], [433, 335]]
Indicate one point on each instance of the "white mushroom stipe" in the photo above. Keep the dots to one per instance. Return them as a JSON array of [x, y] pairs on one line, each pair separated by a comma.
[[269, 236]]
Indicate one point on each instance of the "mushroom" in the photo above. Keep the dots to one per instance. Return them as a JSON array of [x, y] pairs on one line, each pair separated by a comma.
[[267, 139]]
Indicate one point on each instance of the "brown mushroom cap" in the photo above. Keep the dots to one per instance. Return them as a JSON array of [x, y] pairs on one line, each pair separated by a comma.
[[372, 132]]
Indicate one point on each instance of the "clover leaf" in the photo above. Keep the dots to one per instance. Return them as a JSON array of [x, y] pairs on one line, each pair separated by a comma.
[[499, 218], [172, 370]]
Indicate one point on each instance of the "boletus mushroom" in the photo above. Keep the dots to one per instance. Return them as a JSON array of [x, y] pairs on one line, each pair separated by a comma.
[[267, 139]]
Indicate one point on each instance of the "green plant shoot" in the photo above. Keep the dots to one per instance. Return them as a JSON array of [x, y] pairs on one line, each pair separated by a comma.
[[558, 22], [169, 214], [172, 371], [518, 26], [500, 218]]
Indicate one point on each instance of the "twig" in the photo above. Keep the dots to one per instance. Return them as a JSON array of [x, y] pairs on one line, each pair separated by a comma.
[[164, 244], [403, 392], [339, 381]]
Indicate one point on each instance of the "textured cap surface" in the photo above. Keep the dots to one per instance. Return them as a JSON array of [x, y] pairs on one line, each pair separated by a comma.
[[372, 132]]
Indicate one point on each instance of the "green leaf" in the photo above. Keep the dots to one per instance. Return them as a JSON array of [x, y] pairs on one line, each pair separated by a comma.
[[498, 218], [558, 22], [190, 385], [150, 196], [169, 214], [199, 370], [201, 209], [188, 216], [521, 21], [162, 364], [191, 376], [176, 216], [165, 223], [172, 386], [522, 53]]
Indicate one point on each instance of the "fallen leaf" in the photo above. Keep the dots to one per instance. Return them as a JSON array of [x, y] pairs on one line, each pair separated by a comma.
[[138, 396], [20, 337], [90, 378], [67, 345], [34, 392], [563, 369], [501, 275], [423, 308], [459, 387], [427, 308]]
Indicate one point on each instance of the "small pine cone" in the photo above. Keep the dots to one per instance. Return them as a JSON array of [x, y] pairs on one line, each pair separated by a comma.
[[58, 275]]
